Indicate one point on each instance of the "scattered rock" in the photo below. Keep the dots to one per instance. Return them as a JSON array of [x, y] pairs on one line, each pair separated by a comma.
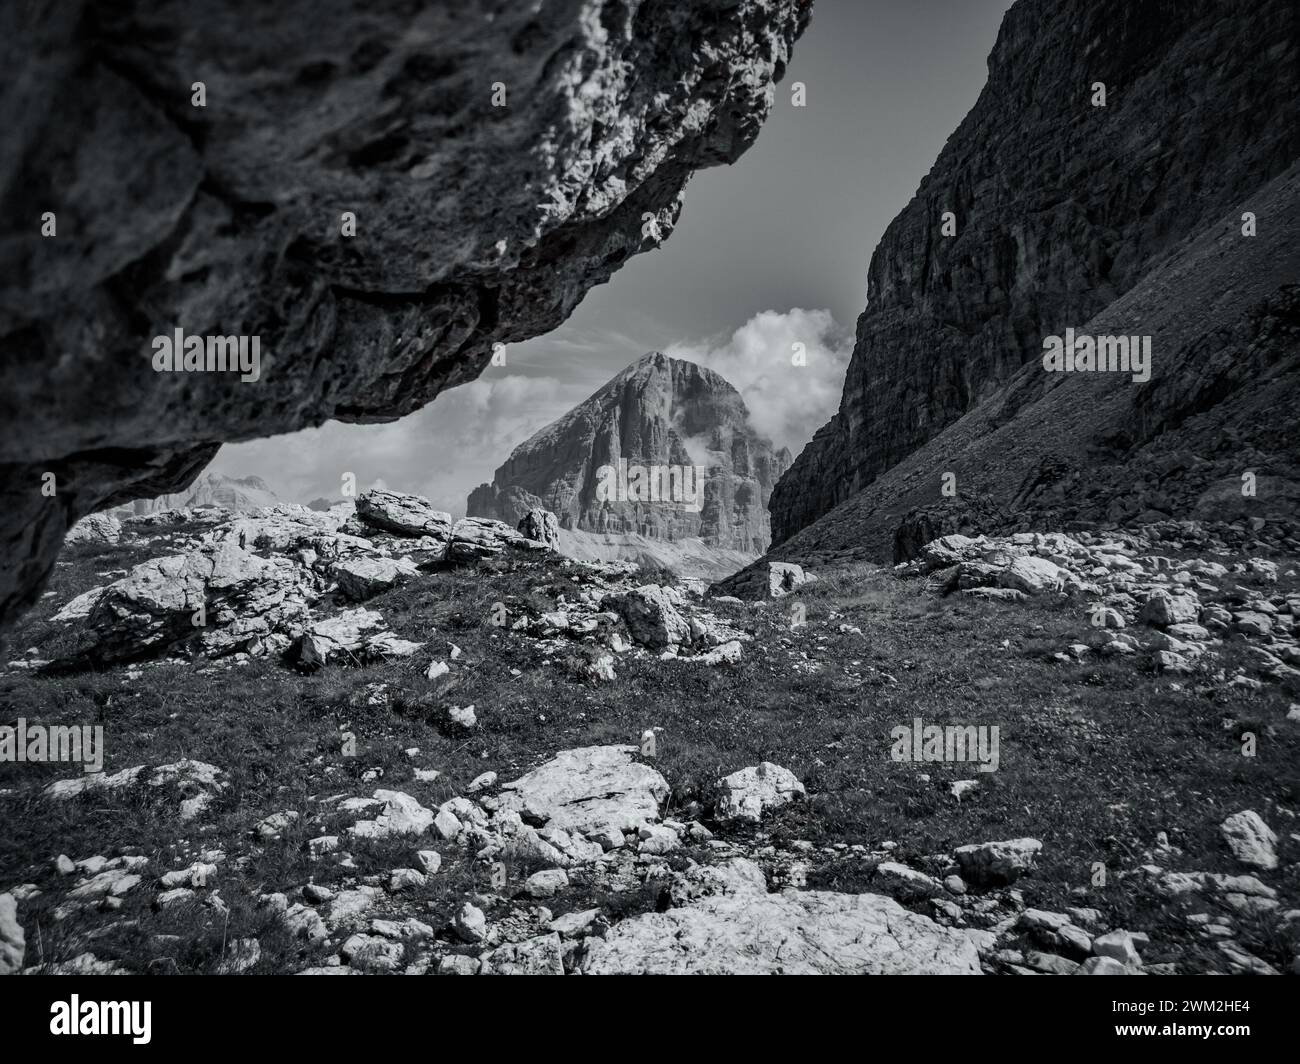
[[1101, 966], [739, 928], [1119, 946], [361, 578], [542, 526], [402, 815], [997, 863], [12, 940], [749, 793], [905, 884], [458, 964], [546, 884], [652, 618], [469, 924], [1251, 840], [592, 790], [542, 955]]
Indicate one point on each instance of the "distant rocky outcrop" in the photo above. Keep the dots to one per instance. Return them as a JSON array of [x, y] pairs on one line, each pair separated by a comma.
[[288, 580], [1059, 208], [374, 196], [240, 494], [666, 418]]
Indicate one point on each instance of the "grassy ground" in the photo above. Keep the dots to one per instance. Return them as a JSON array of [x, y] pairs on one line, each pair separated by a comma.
[[1096, 757]]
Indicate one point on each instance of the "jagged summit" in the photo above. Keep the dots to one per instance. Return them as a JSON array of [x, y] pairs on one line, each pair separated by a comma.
[[663, 452]]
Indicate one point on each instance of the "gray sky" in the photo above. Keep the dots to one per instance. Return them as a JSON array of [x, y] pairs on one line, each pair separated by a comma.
[[768, 252]]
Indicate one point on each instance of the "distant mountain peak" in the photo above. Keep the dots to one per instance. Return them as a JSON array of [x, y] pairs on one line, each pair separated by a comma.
[[622, 461], [241, 493]]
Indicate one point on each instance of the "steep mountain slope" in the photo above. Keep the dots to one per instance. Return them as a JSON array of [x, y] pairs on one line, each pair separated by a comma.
[[659, 412], [378, 193], [1053, 450], [1060, 207]]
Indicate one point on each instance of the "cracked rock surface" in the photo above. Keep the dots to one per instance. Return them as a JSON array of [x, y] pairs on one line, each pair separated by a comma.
[[743, 930]]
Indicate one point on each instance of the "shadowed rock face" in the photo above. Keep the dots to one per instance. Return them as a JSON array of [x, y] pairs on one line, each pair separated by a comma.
[[1061, 207], [662, 412], [1071, 450], [475, 224]]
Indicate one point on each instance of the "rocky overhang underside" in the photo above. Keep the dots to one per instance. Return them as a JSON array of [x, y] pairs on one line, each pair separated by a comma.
[[475, 223]]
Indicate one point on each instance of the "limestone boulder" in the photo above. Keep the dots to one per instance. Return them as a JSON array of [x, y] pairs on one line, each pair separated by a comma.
[[402, 515], [224, 597], [12, 940], [651, 616], [95, 528], [361, 577], [751, 792], [541, 526], [738, 928], [1252, 841], [473, 538], [991, 863], [592, 790]]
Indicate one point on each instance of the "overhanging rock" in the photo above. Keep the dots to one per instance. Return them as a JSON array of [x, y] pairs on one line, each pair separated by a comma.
[[495, 160]]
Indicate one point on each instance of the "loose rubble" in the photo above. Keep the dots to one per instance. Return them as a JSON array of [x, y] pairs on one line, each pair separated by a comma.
[[1133, 599]]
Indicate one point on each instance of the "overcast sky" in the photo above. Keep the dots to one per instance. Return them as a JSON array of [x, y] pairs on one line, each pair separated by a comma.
[[768, 252]]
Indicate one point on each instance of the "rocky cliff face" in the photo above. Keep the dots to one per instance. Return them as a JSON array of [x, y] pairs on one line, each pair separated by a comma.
[[659, 413], [1212, 436], [378, 194], [1060, 207]]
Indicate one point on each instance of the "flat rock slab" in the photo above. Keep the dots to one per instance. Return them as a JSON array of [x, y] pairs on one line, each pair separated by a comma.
[[589, 789], [403, 515], [746, 931]]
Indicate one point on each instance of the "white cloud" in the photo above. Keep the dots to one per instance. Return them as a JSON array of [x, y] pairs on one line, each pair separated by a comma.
[[787, 402]]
